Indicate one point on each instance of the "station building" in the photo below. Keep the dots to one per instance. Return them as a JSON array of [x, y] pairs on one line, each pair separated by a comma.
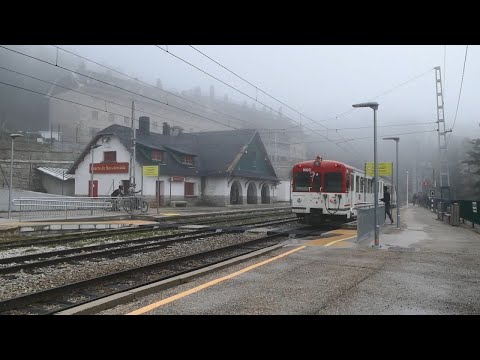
[[204, 168]]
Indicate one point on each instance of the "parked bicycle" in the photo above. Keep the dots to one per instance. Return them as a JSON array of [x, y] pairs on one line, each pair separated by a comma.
[[128, 201], [135, 203]]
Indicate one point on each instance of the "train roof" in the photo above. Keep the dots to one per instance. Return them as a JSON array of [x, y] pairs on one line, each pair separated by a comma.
[[333, 162], [323, 162]]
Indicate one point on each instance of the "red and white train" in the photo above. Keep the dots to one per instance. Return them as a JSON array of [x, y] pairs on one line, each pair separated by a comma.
[[331, 190]]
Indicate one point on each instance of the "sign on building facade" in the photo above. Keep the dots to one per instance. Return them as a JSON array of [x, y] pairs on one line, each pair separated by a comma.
[[151, 170], [109, 168], [384, 168]]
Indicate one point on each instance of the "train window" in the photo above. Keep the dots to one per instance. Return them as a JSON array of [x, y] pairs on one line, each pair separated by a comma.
[[317, 182], [302, 181], [333, 182], [352, 182], [347, 184]]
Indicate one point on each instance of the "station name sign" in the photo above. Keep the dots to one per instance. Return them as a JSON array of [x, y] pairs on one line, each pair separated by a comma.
[[109, 168]]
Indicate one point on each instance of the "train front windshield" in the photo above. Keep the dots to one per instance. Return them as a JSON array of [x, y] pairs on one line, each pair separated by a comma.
[[302, 181], [333, 182]]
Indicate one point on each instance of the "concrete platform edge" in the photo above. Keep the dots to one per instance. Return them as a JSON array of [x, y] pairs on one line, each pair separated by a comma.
[[123, 297]]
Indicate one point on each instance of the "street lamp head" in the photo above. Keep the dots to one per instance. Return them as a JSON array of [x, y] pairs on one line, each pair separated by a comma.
[[391, 138], [372, 105], [14, 136]]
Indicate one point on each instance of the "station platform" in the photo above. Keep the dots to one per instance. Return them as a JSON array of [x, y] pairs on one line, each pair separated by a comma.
[[114, 220], [426, 267]]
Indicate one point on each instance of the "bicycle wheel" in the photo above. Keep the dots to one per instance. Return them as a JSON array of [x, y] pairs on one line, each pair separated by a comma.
[[143, 206], [128, 206]]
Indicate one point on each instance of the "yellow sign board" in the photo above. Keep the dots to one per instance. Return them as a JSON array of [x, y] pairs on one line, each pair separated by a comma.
[[384, 169], [150, 170]]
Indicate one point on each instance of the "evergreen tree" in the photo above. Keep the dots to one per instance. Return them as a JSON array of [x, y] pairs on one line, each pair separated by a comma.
[[474, 165]]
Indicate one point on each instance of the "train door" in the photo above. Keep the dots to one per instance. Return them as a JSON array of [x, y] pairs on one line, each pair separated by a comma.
[[350, 188]]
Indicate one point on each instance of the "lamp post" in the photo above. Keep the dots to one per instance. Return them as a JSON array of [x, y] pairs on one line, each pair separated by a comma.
[[93, 147], [13, 136], [374, 107], [407, 188], [397, 139]]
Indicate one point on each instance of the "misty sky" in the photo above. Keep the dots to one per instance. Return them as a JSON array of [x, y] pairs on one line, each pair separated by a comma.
[[320, 81]]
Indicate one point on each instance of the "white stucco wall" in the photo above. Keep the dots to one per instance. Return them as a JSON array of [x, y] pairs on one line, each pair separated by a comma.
[[177, 187], [217, 186], [282, 191], [82, 174], [105, 181]]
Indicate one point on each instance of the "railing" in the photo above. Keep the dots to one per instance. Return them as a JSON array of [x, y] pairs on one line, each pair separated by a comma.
[[365, 221], [68, 207], [469, 211]]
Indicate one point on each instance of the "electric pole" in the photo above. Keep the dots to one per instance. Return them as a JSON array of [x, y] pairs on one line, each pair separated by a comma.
[[132, 152], [442, 140]]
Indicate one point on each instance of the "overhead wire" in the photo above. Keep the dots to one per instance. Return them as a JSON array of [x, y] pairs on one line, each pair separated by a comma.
[[192, 113], [371, 137], [119, 87], [281, 102], [150, 85], [162, 117], [461, 86], [248, 96]]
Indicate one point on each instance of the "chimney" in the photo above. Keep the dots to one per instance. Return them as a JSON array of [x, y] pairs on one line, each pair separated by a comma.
[[159, 84], [166, 129], [212, 92], [144, 125]]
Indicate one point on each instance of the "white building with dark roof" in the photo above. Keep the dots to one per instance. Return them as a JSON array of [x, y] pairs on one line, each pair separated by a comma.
[[217, 168]]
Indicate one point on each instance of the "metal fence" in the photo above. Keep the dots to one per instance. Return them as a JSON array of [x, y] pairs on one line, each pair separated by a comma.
[[67, 207], [365, 221], [469, 212]]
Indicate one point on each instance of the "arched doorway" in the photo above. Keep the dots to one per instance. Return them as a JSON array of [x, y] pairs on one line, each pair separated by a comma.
[[236, 194], [251, 194], [265, 194]]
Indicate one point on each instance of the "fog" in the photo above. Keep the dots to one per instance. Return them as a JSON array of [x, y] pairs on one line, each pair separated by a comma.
[[320, 82]]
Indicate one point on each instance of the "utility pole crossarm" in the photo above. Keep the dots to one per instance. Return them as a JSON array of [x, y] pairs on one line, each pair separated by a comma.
[[442, 134]]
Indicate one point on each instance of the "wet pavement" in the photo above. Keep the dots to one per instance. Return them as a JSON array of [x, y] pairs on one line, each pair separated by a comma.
[[427, 267]]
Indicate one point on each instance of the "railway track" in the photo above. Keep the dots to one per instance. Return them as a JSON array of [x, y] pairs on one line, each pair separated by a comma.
[[163, 225], [113, 250], [75, 256], [73, 294]]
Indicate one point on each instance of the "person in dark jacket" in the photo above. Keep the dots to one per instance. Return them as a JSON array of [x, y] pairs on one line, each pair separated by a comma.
[[118, 192], [386, 200]]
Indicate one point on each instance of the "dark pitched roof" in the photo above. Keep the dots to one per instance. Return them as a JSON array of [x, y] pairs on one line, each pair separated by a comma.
[[218, 149], [182, 144]]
